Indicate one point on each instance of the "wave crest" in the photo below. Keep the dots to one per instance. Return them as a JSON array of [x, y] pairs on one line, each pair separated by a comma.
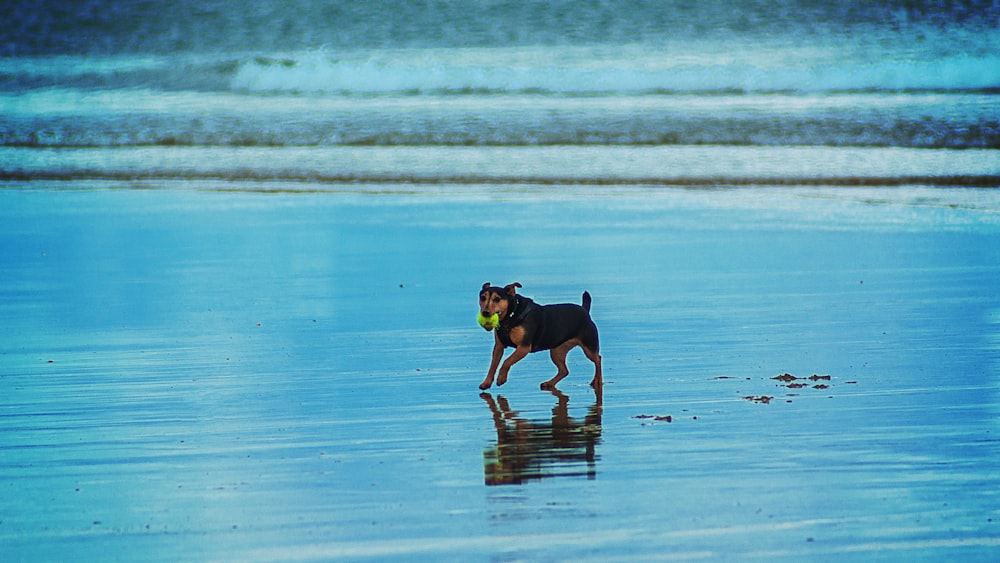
[[318, 73]]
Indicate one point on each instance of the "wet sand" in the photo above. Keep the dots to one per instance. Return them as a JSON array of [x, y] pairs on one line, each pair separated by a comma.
[[289, 372]]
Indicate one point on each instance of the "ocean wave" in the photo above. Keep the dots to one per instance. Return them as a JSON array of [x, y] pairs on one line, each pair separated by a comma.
[[586, 166], [960, 181], [928, 127], [318, 73], [471, 72], [573, 96]]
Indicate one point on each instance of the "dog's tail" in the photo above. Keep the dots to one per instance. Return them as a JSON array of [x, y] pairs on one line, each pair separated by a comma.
[[586, 301]]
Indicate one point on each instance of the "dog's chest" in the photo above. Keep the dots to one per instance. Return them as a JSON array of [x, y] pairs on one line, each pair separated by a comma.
[[511, 337]]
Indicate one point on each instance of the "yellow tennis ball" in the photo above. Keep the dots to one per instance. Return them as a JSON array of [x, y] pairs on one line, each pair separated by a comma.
[[490, 322]]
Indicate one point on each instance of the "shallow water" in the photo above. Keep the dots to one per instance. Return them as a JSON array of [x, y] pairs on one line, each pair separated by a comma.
[[202, 374], [240, 249]]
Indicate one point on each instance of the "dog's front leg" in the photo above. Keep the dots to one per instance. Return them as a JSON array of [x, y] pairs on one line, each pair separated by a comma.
[[516, 356], [494, 363]]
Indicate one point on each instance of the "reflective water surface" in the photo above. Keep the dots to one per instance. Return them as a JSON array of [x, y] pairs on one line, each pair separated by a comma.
[[284, 374], [535, 449]]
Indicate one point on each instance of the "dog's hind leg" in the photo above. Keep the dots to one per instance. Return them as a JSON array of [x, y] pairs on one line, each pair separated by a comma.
[[593, 356], [558, 355]]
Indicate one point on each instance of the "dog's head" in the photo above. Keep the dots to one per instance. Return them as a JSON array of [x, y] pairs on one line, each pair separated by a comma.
[[495, 300]]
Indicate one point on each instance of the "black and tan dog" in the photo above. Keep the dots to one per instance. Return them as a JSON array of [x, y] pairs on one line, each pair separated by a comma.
[[529, 327]]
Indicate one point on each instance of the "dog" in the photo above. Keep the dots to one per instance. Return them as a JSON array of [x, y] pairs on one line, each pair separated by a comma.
[[528, 327]]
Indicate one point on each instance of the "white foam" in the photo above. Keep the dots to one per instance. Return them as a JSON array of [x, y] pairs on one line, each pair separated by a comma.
[[416, 72]]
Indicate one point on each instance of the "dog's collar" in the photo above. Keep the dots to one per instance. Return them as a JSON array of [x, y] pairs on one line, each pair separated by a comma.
[[513, 310], [518, 312]]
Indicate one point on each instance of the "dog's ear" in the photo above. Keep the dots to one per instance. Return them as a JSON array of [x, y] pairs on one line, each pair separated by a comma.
[[510, 288], [485, 286]]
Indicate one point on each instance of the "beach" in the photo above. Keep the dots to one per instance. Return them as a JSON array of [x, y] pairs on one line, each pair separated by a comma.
[[276, 372], [241, 247]]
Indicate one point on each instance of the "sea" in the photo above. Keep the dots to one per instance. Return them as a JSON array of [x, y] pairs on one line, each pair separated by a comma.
[[496, 92], [241, 244]]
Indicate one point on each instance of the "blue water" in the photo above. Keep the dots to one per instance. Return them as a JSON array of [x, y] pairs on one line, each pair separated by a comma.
[[240, 244], [330, 75], [234, 376]]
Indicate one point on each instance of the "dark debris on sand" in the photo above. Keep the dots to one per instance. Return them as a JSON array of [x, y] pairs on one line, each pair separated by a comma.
[[667, 418], [814, 381], [787, 380]]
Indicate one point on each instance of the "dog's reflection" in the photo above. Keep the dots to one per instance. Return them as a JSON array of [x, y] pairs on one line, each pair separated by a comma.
[[534, 449]]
